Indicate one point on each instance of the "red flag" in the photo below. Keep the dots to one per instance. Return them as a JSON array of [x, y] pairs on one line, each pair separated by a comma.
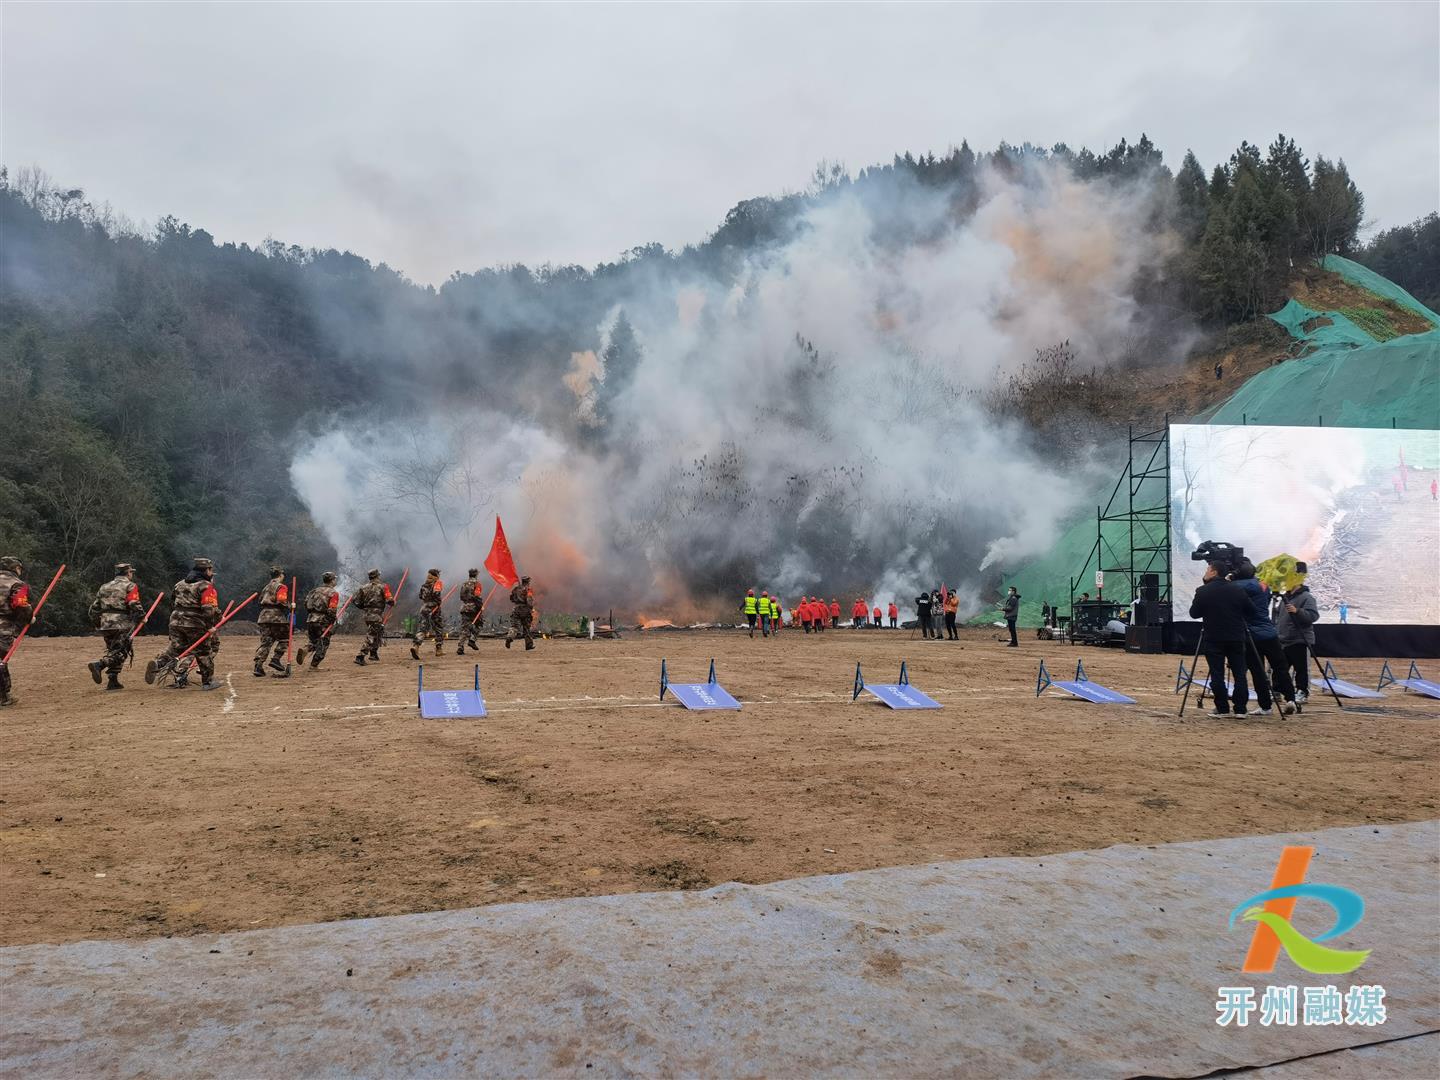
[[500, 564]]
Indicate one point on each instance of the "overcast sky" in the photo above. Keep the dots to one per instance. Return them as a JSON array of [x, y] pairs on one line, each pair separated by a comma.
[[447, 137]]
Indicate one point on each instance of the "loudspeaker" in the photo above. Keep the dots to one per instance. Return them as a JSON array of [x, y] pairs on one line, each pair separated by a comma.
[[1145, 639], [1152, 612], [1150, 587]]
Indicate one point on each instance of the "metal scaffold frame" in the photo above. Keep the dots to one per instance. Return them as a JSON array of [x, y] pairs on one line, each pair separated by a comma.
[[1141, 502]]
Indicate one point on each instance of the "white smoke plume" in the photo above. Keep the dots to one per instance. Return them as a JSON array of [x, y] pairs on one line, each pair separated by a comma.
[[812, 422]]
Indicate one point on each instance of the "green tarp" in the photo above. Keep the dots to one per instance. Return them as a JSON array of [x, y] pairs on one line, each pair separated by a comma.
[[1349, 379]]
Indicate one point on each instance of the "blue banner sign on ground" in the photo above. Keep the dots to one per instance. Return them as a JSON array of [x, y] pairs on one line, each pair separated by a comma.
[[697, 696], [1081, 687], [449, 704], [1346, 689], [1414, 681], [897, 695]]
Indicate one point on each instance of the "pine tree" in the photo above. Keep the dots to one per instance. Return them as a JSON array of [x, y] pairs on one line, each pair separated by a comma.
[[1192, 199]]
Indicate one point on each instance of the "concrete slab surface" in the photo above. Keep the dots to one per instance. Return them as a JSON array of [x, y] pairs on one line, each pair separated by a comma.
[[1090, 963]]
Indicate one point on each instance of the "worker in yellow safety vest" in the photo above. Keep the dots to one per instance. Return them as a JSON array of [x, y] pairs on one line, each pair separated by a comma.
[[765, 613], [752, 610]]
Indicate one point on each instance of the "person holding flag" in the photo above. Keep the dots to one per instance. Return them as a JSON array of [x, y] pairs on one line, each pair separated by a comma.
[[15, 615], [472, 612], [116, 611]]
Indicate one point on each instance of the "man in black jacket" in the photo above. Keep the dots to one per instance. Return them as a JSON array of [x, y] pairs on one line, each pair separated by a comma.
[[922, 611], [1223, 607]]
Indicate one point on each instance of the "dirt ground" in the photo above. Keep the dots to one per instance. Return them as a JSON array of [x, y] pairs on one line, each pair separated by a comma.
[[155, 812]]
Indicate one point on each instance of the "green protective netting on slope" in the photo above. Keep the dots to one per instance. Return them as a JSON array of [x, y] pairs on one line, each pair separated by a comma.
[[1350, 380], [1323, 329], [1366, 278], [1388, 383]]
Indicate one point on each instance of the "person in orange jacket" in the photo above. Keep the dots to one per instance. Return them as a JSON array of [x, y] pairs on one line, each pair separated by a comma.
[[879, 617], [858, 613], [894, 616], [802, 611], [818, 614], [835, 613]]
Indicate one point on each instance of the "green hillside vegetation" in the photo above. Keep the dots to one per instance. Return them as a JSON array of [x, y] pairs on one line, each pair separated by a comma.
[[156, 382]]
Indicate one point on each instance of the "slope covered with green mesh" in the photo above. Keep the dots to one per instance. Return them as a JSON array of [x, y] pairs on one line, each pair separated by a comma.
[[1352, 372]]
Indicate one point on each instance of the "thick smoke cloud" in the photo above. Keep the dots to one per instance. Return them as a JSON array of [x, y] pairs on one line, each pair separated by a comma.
[[813, 420]]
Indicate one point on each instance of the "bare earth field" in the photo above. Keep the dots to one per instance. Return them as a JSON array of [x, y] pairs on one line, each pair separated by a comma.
[[154, 812]]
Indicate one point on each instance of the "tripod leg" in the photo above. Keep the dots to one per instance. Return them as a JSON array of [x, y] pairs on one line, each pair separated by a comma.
[[1325, 682], [1194, 665]]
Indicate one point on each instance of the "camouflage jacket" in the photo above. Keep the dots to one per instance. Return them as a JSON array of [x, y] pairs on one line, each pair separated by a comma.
[[523, 599], [373, 598], [431, 595], [472, 596], [321, 604], [194, 605], [117, 605], [274, 603], [14, 604]]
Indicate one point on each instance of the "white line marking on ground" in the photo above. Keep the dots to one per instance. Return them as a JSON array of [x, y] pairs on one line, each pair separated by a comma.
[[230, 695]]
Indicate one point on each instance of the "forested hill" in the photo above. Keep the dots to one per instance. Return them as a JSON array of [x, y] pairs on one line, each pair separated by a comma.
[[155, 383]]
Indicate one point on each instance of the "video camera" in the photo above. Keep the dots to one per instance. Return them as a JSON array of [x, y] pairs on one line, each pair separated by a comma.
[[1226, 557]]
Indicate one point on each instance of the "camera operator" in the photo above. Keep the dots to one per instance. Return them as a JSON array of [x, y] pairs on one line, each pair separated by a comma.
[[1295, 620], [1265, 640], [923, 606], [1223, 607]]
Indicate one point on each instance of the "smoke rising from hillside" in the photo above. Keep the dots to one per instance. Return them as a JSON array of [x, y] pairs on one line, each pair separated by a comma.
[[813, 422]]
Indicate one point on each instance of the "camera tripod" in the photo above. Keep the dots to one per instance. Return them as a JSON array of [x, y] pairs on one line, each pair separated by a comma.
[[1250, 649]]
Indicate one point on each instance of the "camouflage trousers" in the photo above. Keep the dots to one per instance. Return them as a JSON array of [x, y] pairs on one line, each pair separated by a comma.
[[430, 623], [470, 624], [319, 642], [6, 640], [521, 625], [273, 637], [117, 649], [203, 658], [374, 635]]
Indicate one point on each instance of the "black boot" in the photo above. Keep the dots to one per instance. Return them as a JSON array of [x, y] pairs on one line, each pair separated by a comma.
[[277, 665], [114, 683], [529, 645], [374, 656], [96, 667], [259, 670], [300, 656], [414, 652], [460, 649], [360, 660], [151, 669]]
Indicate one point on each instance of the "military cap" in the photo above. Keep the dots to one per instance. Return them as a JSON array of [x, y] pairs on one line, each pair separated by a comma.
[[123, 568], [203, 564], [373, 574], [276, 571], [433, 572], [328, 578], [9, 562], [524, 579], [474, 572]]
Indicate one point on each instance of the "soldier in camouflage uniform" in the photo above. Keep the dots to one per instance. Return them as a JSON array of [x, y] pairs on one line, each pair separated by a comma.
[[194, 609], [321, 604], [472, 612], [116, 610], [274, 623], [431, 620], [522, 614], [15, 615], [375, 599]]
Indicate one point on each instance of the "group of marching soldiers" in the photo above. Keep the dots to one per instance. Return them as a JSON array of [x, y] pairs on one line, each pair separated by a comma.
[[195, 618]]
